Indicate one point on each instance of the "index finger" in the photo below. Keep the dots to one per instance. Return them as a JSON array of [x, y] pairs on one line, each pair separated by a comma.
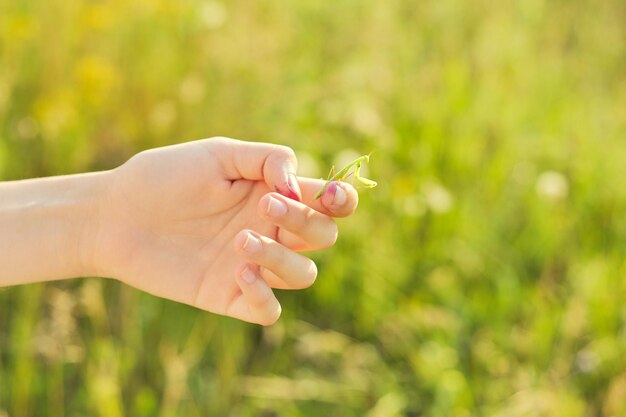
[[258, 161], [339, 199]]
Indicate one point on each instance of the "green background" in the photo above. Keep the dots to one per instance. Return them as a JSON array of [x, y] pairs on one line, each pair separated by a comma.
[[485, 276]]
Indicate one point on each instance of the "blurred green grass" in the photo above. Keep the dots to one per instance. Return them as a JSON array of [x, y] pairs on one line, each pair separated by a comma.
[[484, 276]]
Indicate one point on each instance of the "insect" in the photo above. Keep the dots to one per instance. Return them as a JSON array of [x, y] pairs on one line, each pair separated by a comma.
[[346, 172]]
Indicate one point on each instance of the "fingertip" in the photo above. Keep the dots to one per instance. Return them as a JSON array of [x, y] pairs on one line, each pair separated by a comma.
[[248, 276], [272, 205], [274, 316], [279, 172], [263, 307], [328, 194], [240, 268], [310, 275], [294, 187], [240, 239], [290, 188], [340, 198], [247, 241]]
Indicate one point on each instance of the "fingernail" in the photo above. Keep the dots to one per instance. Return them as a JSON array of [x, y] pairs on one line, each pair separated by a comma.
[[336, 194], [340, 196], [294, 188], [248, 276], [276, 208], [252, 244]]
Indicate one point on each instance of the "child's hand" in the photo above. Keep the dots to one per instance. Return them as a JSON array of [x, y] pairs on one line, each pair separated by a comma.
[[209, 223]]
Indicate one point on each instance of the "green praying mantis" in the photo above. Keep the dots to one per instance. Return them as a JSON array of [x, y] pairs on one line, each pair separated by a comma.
[[345, 173]]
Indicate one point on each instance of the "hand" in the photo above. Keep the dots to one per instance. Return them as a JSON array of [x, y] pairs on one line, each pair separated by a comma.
[[216, 224]]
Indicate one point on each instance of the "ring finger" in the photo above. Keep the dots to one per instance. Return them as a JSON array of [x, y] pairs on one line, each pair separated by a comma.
[[295, 270]]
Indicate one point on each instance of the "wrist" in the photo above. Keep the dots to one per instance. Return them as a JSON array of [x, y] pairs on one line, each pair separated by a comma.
[[86, 209], [70, 209], [48, 227]]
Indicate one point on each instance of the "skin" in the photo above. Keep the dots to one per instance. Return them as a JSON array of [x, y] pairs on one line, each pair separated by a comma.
[[215, 223]]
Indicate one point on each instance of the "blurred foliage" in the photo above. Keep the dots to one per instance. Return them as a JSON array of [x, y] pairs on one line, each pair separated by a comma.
[[486, 275]]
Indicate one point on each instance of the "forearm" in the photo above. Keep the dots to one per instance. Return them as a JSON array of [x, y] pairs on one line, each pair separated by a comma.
[[45, 227]]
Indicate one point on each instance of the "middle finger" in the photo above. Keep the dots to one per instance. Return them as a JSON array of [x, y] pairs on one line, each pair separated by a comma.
[[307, 228], [295, 270]]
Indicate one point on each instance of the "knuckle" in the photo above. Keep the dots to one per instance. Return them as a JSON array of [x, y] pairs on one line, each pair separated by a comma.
[[303, 219], [141, 160], [331, 235], [287, 151], [264, 302], [271, 315], [221, 139], [310, 274], [334, 235], [279, 261]]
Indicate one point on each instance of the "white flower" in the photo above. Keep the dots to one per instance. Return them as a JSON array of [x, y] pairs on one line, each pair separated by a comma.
[[552, 185]]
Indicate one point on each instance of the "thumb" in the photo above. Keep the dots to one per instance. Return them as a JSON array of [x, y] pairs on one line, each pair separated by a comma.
[[274, 164]]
